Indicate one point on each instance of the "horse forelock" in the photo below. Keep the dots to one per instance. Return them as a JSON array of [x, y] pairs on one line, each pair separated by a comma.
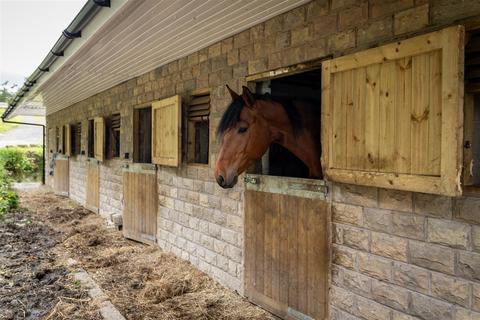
[[231, 116]]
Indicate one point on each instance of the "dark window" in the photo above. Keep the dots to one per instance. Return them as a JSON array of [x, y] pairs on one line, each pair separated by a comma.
[[91, 139], [198, 128], [142, 128], [73, 150], [471, 151], [57, 139], [302, 87], [113, 136], [64, 136], [76, 138]]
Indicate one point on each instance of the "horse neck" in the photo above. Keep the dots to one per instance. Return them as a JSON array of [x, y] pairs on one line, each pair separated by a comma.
[[302, 143]]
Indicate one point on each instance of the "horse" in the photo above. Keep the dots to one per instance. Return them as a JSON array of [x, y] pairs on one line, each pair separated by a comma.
[[251, 123]]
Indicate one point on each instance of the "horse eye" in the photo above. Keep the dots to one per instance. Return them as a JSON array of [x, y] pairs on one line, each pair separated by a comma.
[[242, 130]]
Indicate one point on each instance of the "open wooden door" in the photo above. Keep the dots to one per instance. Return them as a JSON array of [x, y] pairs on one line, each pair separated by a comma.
[[92, 202], [61, 175], [392, 116], [287, 246], [140, 204]]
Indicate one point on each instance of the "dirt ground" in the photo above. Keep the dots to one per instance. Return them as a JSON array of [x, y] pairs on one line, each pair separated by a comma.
[[141, 281]]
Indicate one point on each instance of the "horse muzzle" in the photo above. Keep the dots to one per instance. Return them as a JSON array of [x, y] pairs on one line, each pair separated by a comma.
[[226, 183]]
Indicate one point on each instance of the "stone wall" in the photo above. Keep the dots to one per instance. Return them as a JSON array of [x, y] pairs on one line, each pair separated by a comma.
[[111, 189], [202, 223], [396, 255], [78, 179]]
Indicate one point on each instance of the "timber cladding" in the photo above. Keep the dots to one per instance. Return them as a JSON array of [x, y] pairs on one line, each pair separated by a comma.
[[140, 205], [395, 254], [61, 177], [287, 248], [396, 111]]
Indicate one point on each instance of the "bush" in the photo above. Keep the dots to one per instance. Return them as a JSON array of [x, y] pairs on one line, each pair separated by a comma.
[[8, 201], [17, 164], [22, 163], [8, 197]]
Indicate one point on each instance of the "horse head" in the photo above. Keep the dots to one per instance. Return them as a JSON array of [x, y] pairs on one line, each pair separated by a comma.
[[245, 137]]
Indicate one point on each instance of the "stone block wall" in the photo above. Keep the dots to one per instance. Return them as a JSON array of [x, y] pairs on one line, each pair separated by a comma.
[[202, 223], [403, 255], [396, 255], [78, 179], [111, 189]]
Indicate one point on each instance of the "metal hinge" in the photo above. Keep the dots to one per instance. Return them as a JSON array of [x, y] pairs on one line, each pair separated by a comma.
[[250, 180], [324, 189]]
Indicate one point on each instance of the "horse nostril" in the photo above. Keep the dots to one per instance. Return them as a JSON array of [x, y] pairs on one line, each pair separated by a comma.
[[220, 180]]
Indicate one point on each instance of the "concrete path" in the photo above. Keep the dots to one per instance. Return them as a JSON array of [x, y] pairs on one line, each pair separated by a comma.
[[26, 186], [22, 134]]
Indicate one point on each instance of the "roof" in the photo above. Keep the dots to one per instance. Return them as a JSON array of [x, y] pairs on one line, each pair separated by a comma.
[[129, 38]]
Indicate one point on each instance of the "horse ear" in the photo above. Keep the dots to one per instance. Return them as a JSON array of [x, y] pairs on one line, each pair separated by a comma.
[[233, 94], [248, 97]]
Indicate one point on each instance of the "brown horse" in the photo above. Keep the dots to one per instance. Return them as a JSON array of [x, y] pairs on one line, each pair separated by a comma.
[[252, 123]]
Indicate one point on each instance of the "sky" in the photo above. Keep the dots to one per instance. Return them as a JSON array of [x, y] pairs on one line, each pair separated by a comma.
[[28, 30]]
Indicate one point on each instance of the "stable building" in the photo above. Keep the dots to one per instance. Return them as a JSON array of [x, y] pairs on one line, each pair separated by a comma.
[[133, 92]]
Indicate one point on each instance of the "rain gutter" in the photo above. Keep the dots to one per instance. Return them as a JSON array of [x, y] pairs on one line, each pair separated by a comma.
[[73, 31]]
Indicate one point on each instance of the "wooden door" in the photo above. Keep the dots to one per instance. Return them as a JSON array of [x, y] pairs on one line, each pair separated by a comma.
[[92, 202], [140, 204], [61, 176], [287, 246]]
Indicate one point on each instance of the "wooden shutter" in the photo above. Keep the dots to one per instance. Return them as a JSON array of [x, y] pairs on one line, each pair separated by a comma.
[[166, 124], [99, 136], [115, 121], [199, 107], [68, 140], [392, 116]]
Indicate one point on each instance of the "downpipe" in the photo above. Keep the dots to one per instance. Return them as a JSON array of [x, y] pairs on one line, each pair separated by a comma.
[[43, 141]]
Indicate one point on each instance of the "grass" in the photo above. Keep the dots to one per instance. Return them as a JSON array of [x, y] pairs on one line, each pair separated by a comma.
[[4, 127]]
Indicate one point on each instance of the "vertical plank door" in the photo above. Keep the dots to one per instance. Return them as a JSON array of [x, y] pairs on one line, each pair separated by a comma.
[[286, 246], [61, 176], [140, 204], [92, 202]]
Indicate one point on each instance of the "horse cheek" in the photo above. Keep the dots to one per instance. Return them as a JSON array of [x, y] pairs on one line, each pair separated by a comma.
[[242, 156], [262, 141]]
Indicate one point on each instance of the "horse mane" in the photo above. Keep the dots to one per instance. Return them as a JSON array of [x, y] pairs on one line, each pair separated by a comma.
[[232, 115]]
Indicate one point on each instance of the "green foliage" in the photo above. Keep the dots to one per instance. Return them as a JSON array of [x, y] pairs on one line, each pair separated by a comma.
[[22, 163], [13, 162], [17, 164], [5, 95], [8, 201], [8, 197]]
